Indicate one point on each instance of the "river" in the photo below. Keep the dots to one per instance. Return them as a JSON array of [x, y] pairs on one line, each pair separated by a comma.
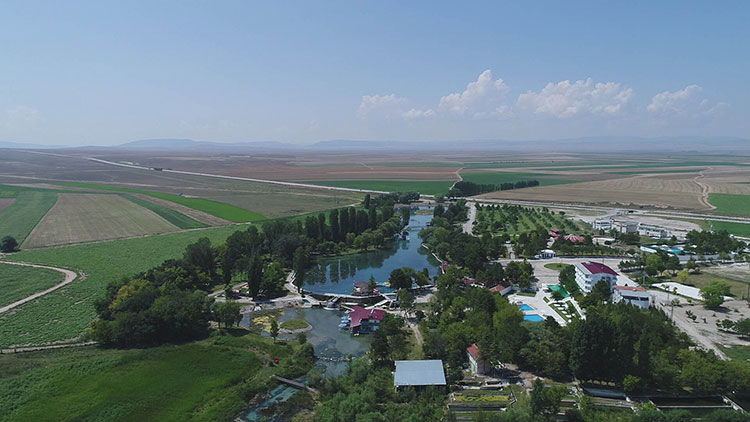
[[338, 274]]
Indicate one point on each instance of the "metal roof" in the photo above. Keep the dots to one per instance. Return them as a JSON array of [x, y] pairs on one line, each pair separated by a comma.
[[419, 372]]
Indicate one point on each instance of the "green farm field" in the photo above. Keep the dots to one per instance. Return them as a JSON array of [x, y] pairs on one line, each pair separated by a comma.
[[730, 204], [208, 380], [739, 229], [174, 217], [20, 218], [423, 187], [18, 282], [81, 217], [497, 178], [66, 313], [218, 209]]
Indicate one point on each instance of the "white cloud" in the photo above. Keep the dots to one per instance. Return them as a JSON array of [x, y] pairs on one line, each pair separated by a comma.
[[385, 104], [565, 99], [686, 101], [479, 96], [416, 114]]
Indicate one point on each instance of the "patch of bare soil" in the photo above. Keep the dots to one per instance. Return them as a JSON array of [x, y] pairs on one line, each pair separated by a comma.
[[5, 202]]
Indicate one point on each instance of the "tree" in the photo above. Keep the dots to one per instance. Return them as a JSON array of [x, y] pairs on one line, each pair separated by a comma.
[[201, 255], [227, 313], [713, 294], [367, 201], [543, 401], [8, 244], [299, 265], [274, 330], [742, 327], [254, 276], [406, 301], [654, 265], [691, 265], [683, 276], [400, 279], [333, 219]]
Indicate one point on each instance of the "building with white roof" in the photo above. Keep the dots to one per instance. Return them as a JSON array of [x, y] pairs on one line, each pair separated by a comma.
[[637, 296]]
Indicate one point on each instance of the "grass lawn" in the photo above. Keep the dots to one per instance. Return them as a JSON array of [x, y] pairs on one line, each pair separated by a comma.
[[736, 352], [702, 279], [428, 187], [556, 266], [208, 380], [730, 204], [17, 282], [218, 209], [294, 324], [178, 219], [739, 229], [497, 178], [20, 218], [67, 312]]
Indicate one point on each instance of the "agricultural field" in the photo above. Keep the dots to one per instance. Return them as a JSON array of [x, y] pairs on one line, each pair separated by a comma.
[[423, 187], [92, 384], [730, 204], [497, 178], [80, 217], [739, 229], [18, 282], [674, 191], [218, 209], [20, 218], [66, 313]]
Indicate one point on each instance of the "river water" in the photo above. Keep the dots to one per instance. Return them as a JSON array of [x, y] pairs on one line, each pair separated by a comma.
[[338, 274]]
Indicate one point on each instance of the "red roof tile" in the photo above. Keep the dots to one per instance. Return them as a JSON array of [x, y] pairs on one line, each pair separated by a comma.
[[598, 268], [474, 351], [359, 313]]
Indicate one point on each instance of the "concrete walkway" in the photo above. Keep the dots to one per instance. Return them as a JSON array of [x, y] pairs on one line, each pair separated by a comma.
[[70, 276]]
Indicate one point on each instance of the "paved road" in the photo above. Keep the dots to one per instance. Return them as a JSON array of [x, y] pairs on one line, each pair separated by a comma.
[[469, 224], [692, 329], [69, 277]]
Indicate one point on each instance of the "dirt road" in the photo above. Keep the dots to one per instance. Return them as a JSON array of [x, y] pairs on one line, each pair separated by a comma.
[[704, 189], [69, 277]]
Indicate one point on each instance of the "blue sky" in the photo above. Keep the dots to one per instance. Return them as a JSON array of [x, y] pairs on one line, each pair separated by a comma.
[[110, 72]]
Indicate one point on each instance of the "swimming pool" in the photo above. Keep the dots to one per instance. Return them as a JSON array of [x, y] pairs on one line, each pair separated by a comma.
[[525, 308], [533, 318]]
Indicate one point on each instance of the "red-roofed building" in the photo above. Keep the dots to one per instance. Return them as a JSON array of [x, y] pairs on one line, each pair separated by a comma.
[[588, 273], [555, 233], [502, 288], [574, 239], [479, 365], [364, 321], [634, 295]]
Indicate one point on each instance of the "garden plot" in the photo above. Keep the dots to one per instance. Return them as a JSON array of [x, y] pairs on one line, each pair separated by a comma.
[[77, 218]]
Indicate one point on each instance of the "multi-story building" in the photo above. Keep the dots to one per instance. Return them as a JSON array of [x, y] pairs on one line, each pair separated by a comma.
[[589, 273]]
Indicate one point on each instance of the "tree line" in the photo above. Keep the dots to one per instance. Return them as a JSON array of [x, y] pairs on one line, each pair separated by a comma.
[[465, 188]]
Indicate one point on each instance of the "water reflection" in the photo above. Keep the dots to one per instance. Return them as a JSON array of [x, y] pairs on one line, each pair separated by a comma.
[[338, 274]]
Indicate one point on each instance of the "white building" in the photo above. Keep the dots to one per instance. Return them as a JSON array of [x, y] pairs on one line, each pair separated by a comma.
[[589, 273], [654, 232], [603, 224], [546, 254], [637, 296], [626, 226]]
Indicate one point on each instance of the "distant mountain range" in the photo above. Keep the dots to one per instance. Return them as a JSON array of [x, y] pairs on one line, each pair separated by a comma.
[[613, 144]]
